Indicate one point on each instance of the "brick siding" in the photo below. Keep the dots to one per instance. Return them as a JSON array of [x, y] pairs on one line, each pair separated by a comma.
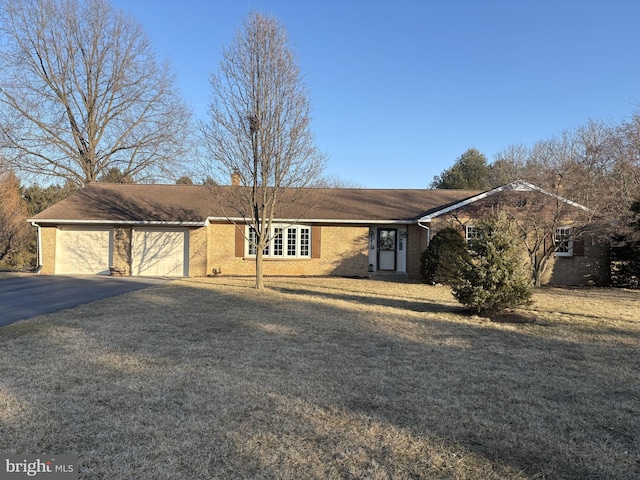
[[591, 269], [48, 250], [416, 244], [343, 253]]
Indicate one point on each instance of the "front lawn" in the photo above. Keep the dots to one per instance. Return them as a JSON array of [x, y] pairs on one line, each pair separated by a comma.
[[327, 378]]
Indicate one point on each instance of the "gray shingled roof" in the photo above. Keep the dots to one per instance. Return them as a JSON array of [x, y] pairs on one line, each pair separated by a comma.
[[115, 203]]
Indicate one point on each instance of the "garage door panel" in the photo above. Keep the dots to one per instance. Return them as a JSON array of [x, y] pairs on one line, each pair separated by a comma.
[[159, 253], [83, 252]]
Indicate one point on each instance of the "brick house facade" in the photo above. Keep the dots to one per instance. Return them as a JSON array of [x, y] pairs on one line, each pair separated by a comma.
[[186, 230]]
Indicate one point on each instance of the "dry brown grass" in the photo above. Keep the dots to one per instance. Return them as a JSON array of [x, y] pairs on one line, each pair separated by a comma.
[[326, 378]]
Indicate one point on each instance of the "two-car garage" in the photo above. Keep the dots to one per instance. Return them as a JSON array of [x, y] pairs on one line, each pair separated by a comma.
[[154, 252]]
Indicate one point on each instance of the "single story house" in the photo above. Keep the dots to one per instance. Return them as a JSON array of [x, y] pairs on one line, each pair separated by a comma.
[[188, 230]]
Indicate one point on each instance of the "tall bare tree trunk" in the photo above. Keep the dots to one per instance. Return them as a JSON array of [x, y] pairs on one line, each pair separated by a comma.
[[259, 130], [259, 271]]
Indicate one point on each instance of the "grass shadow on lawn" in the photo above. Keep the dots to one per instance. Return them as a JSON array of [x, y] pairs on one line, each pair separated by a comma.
[[198, 379], [413, 305]]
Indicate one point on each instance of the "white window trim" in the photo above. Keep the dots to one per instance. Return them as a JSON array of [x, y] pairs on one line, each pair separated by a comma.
[[560, 235], [269, 250], [468, 236]]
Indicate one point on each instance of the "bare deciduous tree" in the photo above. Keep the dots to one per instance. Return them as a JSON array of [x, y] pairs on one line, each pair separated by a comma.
[[14, 229], [82, 92], [595, 165], [260, 128], [535, 214], [537, 222], [623, 181], [571, 168]]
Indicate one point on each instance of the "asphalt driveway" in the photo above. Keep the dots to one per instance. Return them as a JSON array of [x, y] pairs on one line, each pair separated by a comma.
[[28, 296]]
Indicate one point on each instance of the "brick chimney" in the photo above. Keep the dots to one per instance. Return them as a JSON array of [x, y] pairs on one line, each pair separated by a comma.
[[235, 178]]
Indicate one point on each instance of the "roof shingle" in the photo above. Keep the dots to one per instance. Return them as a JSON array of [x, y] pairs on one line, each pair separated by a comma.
[[113, 203]]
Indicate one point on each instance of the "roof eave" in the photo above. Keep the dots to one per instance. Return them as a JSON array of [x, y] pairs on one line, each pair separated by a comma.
[[518, 186], [321, 220], [50, 221]]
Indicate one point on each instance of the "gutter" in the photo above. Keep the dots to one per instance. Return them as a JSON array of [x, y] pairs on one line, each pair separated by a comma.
[[52, 221], [316, 220], [37, 222]]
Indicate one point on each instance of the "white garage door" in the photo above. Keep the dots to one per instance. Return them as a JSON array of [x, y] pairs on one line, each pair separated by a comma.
[[82, 251], [159, 253]]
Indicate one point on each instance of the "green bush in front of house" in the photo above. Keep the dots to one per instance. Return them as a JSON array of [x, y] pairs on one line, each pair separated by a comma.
[[498, 277], [445, 258]]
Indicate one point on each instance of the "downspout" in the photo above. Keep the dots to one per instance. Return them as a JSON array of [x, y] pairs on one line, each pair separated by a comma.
[[38, 246], [428, 229]]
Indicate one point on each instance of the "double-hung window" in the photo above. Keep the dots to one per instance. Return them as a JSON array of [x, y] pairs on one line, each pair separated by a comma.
[[291, 241], [563, 241]]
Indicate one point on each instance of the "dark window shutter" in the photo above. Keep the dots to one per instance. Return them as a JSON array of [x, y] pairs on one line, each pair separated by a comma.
[[239, 241], [316, 241], [578, 247]]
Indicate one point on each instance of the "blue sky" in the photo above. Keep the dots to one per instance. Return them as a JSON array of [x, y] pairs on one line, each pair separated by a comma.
[[401, 88]]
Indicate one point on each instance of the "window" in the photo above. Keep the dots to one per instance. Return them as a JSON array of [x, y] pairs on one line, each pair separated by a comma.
[[252, 238], [252, 246], [293, 241], [277, 242], [472, 233], [563, 242], [305, 242]]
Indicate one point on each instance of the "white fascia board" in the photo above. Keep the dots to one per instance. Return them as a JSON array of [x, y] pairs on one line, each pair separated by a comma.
[[557, 197], [518, 186], [36, 222], [316, 220]]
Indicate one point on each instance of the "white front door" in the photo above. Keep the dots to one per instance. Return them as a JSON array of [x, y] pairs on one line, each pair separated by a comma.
[[387, 247], [159, 253]]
